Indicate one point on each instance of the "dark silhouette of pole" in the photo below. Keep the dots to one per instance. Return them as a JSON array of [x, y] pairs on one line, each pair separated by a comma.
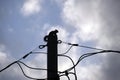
[[52, 61]]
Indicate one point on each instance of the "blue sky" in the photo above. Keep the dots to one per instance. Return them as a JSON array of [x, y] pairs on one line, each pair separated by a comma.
[[24, 23]]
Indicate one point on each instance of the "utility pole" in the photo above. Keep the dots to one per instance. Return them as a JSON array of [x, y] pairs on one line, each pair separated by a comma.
[[52, 59]]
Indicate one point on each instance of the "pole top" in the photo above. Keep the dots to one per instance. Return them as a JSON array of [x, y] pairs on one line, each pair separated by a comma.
[[52, 33]]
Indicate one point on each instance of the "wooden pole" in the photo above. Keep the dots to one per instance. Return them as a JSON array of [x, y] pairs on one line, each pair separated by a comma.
[[52, 60]]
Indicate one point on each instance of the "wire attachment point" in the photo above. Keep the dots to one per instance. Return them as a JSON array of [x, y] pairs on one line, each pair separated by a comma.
[[75, 44], [66, 73], [42, 46], [59, 41]]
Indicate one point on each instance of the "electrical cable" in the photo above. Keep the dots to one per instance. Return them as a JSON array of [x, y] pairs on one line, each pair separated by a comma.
[[73, 65], [27, 75], [34, 68], [31, 53], [68, 77], [30, 67], [8, 66], [89, 54], [19, 60], [68, 50], [65, 75], [70, 59], [65, 72], [81, 58], [40, 47], [81, 46], [73, 74]]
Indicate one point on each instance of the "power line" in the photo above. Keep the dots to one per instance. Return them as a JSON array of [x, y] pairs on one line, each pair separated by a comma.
[[34, 68], [90, 54], [81, 46], [66, 76], [26, 55], [31, 67], [27, 75], [19, 61], [68, 49], [70, 59], [73, 74], [8, 66], [66, 72]]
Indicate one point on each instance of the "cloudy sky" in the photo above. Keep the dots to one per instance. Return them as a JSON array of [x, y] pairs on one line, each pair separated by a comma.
[[24, 23]]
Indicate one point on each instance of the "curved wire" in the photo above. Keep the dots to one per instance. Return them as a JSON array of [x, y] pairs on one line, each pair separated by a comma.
[[73, 65], [73, 74], [68, 77], [70, 59], [68, 50], [65, 75], [35, 68], [90, 54], [30, 67], [18, 62], [81, 58], [27, 75], [21, 59]]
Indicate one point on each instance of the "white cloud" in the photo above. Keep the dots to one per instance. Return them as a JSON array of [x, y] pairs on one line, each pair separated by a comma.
[[89, 72], [96, 20], [83, 15], [3, 56], [31, 7]]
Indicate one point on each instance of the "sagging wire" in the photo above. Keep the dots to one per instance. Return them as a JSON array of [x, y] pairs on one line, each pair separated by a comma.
[[83, 56], [35, 68], [19, 60], [25, 56], [63, 55], [27, 75], [30, 67], [67, 75], [68, 50], [73, 74], [73, 65], [70, 59], [87, 55]]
